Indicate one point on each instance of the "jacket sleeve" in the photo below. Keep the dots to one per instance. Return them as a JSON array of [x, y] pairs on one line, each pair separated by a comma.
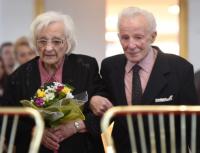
[[188, 95], [95, 87], [9, 97]]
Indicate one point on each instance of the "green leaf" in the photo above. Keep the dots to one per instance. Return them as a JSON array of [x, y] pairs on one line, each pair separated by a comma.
[[71, 112], [61, 111], [28, 103]]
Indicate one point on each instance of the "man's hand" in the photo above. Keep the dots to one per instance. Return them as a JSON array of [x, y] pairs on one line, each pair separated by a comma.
[[99, 105]]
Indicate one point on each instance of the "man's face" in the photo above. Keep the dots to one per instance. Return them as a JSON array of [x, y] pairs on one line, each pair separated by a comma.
[[52, 44], [8, 55], [135, 37]]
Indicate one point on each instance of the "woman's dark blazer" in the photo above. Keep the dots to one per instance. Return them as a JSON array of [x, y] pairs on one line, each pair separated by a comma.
[[79, 71]]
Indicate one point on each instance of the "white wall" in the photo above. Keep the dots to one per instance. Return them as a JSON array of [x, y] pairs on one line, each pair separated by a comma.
[[194, 33], [15, 18], [89, 18], [1, 35]]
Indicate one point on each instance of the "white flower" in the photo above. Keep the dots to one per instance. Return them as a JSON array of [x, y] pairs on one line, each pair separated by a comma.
[[69, 96], [50, 89], [56, 84], [50, 96]]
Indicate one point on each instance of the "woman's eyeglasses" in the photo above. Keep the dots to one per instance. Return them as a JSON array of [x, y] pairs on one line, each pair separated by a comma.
[[54, 42]]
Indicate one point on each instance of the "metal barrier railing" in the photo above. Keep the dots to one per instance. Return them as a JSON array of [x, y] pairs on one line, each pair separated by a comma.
[[150, 112], [17, 112]]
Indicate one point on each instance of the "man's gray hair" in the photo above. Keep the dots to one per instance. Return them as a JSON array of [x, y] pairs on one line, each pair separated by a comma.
[[132, 12], [46, 19]]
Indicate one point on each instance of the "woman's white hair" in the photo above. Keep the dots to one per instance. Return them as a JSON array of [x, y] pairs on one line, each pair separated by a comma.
[[46, 19], [132, 12]]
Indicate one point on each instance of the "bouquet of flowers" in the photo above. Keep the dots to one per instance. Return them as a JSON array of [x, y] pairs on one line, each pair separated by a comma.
[[56, 103]]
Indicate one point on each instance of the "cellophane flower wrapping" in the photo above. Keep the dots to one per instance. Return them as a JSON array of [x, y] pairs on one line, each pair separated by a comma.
[[57, 104]]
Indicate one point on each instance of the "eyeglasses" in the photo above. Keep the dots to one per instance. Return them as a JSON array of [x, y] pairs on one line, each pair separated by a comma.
[[54, 42]]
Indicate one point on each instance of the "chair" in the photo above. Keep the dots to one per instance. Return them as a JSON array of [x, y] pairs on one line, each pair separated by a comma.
[[184, 113], [5, 112]]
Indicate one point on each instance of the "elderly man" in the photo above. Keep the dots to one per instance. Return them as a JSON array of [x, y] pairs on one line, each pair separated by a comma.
[[143, 75]]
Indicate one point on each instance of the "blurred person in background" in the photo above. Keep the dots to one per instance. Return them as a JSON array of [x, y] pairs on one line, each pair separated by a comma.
[[23, 51], [3, 76], [7, 54]]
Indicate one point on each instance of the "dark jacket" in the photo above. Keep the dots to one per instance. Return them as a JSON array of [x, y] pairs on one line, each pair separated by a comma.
[[79, 71], [171, 76], [197, 83]]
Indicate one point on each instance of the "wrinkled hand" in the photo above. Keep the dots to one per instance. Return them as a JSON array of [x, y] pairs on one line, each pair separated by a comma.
[[99, 105], [50, 140], [65, 130]]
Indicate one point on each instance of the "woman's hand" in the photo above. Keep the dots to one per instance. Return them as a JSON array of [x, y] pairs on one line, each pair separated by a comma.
[[50, 140], [66, 130]]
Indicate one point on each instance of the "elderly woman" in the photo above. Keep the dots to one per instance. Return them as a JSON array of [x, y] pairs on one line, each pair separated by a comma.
[[54, 40]]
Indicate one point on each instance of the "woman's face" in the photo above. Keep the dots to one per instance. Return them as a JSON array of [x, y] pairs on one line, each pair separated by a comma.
[[24, 53], [52, 44]]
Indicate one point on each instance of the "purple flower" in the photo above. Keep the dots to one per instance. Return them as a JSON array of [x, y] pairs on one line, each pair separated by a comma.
[[39, 102]]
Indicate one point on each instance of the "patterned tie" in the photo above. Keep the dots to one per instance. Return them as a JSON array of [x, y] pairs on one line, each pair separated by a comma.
[[136, 86]]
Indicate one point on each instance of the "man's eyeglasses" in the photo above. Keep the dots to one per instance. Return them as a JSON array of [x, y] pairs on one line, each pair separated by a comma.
[[54, 42]]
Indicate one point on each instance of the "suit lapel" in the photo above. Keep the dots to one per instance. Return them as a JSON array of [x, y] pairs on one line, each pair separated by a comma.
[[120, 71], [119, 85], [157, 80]]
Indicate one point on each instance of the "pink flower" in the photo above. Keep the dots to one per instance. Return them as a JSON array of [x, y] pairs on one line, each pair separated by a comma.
[[39, 102]]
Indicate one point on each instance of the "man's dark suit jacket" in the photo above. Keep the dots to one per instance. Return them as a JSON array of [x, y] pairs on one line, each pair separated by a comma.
[[171, 76], [197, 83], [79, 71]]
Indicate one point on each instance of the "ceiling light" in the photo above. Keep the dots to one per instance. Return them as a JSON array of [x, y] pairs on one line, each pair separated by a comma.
[[174, 9]]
